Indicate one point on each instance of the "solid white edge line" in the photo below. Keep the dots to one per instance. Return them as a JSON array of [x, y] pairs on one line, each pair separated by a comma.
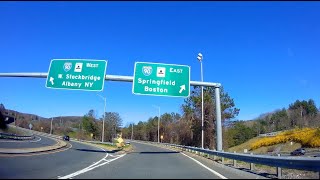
[[214, 172]]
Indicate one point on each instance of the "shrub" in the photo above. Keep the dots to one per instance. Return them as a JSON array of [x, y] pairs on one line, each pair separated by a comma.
[[308, 137]]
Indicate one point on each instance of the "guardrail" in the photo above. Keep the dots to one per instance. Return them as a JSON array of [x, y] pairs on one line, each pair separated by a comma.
[[301, 163], [60, 137], [270, 134], [15, 137]]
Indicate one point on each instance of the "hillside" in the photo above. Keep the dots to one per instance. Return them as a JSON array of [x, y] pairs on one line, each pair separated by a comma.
[[273, 149], [29, 117], [284, 142]]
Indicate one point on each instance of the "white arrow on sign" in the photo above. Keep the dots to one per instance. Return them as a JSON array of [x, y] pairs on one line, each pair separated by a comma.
[[51, 80], [183, 87]]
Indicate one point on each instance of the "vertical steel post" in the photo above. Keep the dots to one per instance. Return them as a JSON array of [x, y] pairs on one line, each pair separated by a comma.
[[51, 126], [279, 170], [159, 126], [251, 164], [131, 131], [104, 118], [234, 161], [202, 115], [218, 116]]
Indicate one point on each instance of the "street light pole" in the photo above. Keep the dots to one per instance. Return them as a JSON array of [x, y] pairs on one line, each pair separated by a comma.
[[15, 118], [104, 116], [158, 123], [200, 57], [131, 131], [159, 126], [51, 126]]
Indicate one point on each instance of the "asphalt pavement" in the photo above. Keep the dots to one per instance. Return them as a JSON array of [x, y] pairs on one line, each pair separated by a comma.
[[151, 162], [78, 161], [50, 164]]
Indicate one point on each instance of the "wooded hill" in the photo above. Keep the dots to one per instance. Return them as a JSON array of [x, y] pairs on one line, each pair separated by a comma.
[[184, 128]]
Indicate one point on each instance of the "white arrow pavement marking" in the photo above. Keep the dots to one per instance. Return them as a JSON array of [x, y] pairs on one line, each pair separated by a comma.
[[51, 80], [183, 87], [90, 168]]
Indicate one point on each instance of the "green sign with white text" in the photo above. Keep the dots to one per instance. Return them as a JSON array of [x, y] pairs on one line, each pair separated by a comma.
[[161, 79], [77, 74]]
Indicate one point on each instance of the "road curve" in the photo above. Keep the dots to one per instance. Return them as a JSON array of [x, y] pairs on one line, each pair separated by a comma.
[[38, 141], [50, 164], [83, 161]]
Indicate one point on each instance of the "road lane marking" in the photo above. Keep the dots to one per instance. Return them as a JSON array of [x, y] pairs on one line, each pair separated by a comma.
[[115, 155], [214, 172], [37, 140], [97, 162], [87, 168], [91, 167]]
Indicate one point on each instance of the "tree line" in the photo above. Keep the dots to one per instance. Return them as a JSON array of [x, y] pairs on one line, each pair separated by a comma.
[[185, 129], [88, 127]]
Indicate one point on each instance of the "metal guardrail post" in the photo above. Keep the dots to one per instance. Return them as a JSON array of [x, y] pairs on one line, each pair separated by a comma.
[[222, 159], [279, 170], [251, 164], [234, 161]]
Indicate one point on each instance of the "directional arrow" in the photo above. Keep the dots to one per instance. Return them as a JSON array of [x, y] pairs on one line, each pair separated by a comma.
[[183, 87], [51, 80]]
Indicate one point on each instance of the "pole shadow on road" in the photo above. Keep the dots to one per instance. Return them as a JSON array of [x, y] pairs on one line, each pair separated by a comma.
[[96, 151], [154, 152], [168, 152]]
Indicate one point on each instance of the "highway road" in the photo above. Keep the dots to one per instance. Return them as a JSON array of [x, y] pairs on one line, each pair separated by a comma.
[[49, 164], [38, 141], [151, 162], [145, 161]]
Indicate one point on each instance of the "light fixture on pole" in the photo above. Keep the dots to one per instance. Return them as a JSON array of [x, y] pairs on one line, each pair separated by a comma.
[[200, 58], [51, 126], [158, 123], [104, 116], [131, 131]]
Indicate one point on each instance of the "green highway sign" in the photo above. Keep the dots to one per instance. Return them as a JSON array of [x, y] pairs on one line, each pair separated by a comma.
[[77, 74], [161, 79]]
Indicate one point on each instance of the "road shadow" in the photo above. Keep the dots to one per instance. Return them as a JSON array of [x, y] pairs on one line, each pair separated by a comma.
[[263, 174], [163, 152], [96, 151], [154, 152]]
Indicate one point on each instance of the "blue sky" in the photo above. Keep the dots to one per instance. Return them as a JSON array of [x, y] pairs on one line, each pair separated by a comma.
[[265, 54]]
